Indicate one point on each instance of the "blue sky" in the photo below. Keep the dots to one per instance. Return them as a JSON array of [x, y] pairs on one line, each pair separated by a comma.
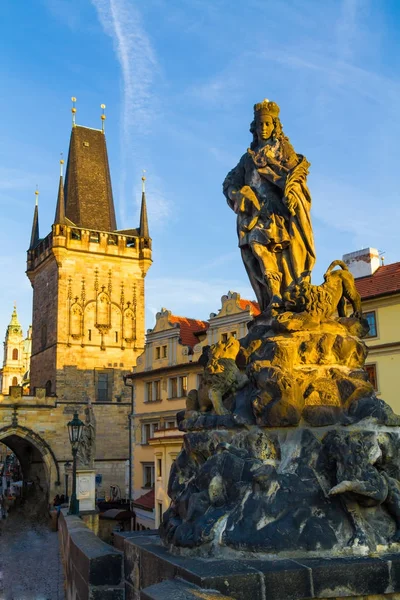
[[179, 78]]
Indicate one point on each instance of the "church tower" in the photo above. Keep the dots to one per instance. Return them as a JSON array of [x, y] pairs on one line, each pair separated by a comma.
[[13, 364], [88, 283]]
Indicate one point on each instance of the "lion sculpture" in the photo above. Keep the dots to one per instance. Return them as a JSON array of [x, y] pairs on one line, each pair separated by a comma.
[[325, 300]]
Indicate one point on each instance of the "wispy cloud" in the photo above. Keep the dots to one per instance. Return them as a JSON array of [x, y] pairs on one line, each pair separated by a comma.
[[122, 21]]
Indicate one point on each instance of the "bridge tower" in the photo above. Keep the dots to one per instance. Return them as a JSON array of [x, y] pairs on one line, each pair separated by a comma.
[[88, 283]]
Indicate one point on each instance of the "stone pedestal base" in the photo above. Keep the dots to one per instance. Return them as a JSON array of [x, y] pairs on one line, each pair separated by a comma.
[[148, 564], [86, 489]]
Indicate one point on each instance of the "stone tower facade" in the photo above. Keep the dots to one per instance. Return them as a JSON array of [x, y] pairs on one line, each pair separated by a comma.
[[16, 355], [88, 284]]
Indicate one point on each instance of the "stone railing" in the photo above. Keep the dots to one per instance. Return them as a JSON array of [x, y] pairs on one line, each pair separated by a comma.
[[92, 568]]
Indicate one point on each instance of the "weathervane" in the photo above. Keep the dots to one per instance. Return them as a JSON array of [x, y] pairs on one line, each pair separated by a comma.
[[143, 180], [36, 196], [103, 116], [61, 164], [73, 110]]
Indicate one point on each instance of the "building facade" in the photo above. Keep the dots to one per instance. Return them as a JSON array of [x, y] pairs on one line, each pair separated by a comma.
[[165, 372], [17, 353], [379, 288], [88, 324]]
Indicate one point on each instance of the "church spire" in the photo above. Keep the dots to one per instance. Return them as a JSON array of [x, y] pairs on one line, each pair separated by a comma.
[[60, 210], [14, 325], [35, 223], [144, 225]]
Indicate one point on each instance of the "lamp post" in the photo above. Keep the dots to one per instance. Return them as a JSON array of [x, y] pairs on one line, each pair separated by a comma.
[[75, 428]]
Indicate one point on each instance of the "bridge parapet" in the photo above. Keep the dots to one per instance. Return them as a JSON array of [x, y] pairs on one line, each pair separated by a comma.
[[93, 569]]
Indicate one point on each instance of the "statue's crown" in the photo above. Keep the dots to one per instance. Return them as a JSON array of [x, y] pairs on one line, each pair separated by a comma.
[[266, 107]]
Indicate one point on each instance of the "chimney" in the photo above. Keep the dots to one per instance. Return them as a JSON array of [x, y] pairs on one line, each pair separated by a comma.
[[362, 262]]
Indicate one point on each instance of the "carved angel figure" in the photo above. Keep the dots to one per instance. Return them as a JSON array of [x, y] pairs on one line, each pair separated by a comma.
[[268, 192]]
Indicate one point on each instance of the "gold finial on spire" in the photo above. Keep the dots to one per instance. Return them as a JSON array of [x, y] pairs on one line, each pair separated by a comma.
[[103, 116], [143, 181], [73, 110], [36, 196], [61, 164]]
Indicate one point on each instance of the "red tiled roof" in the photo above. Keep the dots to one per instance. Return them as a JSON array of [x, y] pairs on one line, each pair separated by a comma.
[[385, 280], [188, 328], [146, 501], [251, 304]]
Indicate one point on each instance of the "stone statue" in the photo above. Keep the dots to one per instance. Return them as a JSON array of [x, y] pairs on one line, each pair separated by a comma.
[[287, 449], [87, 447], [221, 377], [268, 192]]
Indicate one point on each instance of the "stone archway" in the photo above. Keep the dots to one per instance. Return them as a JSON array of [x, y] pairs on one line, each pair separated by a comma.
[[38, 462]]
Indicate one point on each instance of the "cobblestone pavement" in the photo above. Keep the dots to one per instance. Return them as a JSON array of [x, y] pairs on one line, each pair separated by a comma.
[[30, 565]]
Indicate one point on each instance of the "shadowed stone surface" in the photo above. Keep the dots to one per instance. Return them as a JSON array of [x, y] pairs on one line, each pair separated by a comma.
[[30, 564], [263, 578]]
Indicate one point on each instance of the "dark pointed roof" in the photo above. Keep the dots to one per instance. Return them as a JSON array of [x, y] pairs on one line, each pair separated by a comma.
[[60, 210], [35, 228], [88, 193], [144, 224]]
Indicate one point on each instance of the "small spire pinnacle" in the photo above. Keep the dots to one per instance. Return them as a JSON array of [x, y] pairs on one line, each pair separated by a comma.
[[103, 116], [35, 223], [73, 110], [60, 209], [144, 225]]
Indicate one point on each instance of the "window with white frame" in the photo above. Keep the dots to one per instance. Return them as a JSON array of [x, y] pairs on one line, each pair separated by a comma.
[[371, 318], [148, 430], [182, 386], [153, 390], [170, 424], [173, 387], [148, 475]]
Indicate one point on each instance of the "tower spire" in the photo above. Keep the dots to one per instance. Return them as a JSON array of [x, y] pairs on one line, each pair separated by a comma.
[[35, 223], [60, 210], [144, 225]]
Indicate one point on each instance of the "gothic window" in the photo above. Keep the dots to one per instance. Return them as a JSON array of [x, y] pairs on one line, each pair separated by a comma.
[[14, 381], [15, 356]]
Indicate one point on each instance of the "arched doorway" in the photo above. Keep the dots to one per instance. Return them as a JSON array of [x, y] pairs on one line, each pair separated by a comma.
[[38, 465]]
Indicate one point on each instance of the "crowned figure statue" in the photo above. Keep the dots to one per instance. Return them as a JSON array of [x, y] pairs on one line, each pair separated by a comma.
[[268, 192]]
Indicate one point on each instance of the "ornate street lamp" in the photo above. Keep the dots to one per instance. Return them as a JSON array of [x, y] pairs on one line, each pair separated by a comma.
[[75, 428]]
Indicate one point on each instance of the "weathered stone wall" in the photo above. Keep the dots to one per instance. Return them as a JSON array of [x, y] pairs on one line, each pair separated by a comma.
[[42, 422], [93, 569]]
